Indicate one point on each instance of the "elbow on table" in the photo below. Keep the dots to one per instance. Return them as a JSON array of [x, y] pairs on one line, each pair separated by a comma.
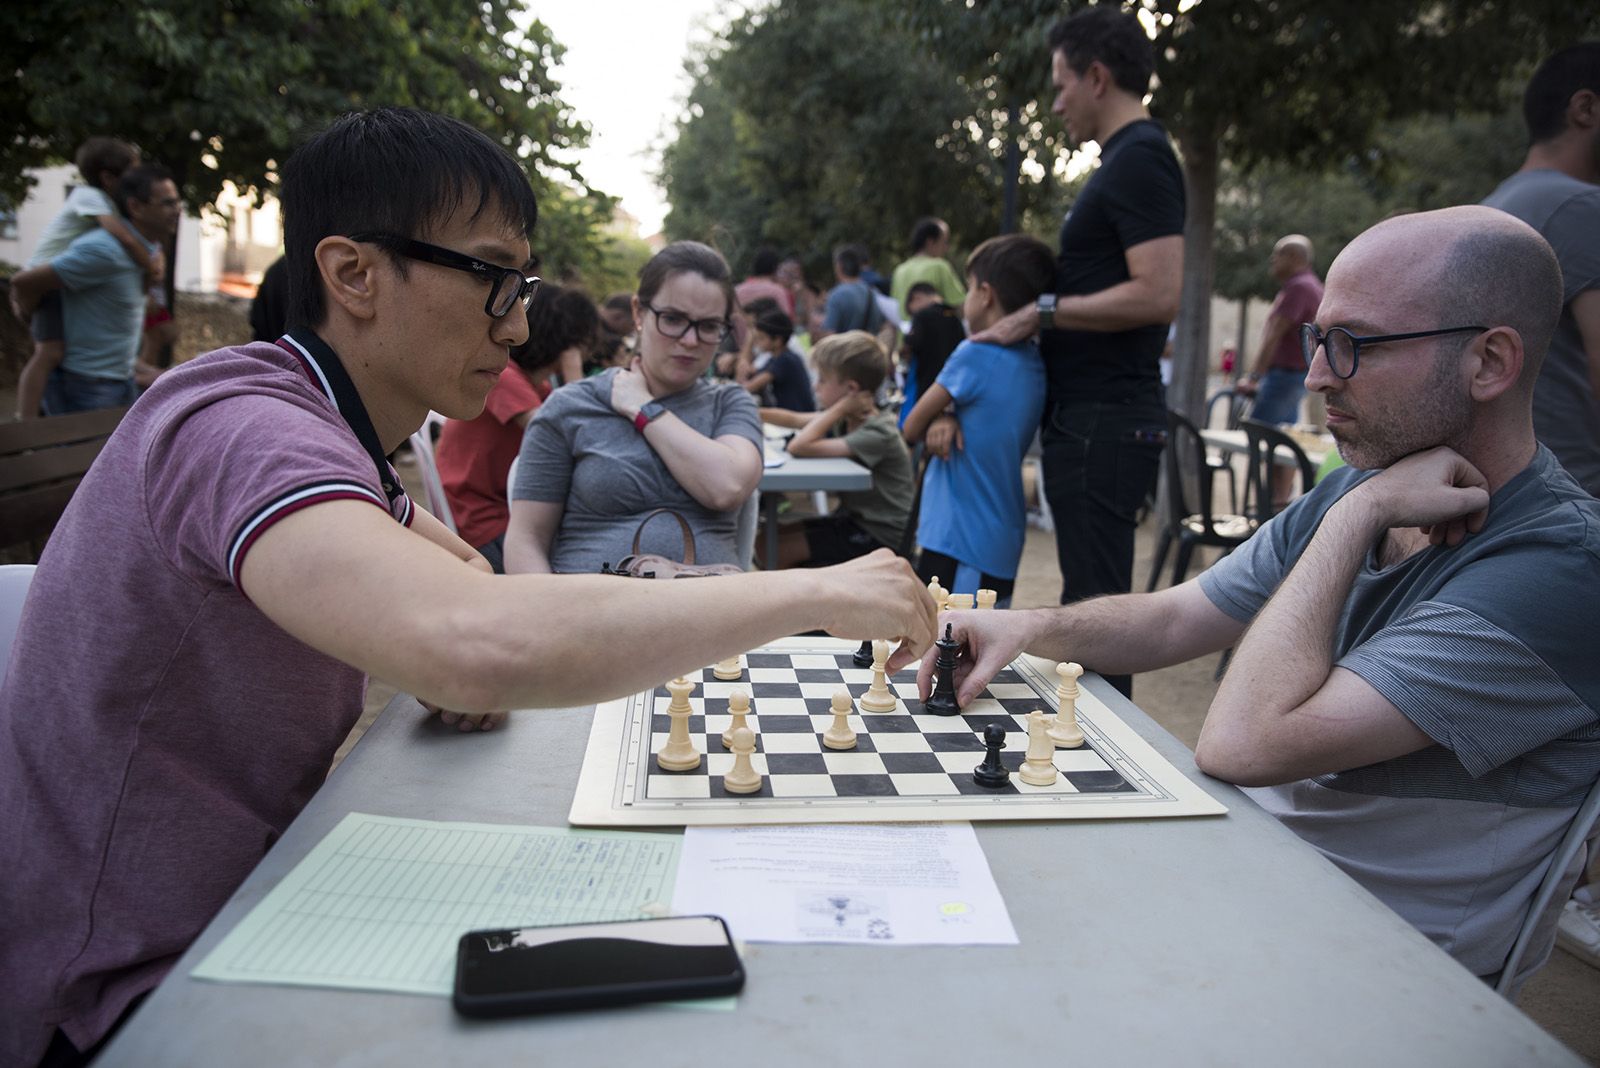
[[1236, 756]]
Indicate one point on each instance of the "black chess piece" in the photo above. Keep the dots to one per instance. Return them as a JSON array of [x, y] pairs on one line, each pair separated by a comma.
[[863, 656], [991, 772], [942, 702]]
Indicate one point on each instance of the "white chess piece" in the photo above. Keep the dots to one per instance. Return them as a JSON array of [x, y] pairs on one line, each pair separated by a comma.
[[937, 592], [1064, 729], [879, 698], [738, 707], [729, 670], [679, 754], [743, 778], [1038, 766], [958, 602], [987, 598], [840, 735]]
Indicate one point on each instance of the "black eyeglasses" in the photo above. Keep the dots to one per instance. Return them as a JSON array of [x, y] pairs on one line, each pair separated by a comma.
[[1344, 348], [508, 285], [675, 324]]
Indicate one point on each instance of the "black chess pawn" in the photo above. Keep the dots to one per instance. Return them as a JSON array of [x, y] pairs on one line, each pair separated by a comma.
[[942, 702], [991, 772], [863, 656]]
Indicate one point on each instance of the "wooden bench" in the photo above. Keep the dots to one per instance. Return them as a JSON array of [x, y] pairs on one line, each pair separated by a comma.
[[41, 463]]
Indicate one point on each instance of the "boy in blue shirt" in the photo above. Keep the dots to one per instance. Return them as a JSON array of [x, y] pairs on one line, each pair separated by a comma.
[[979, 417]]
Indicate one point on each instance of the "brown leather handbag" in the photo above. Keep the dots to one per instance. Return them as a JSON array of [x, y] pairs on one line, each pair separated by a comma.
[[654, 565]]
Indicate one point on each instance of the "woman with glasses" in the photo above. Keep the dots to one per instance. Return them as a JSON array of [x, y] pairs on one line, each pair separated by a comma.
[[602, 454], [475, 456]]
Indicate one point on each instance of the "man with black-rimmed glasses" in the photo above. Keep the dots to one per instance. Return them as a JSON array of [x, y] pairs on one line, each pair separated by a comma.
[[197, 637], [1414, 689]]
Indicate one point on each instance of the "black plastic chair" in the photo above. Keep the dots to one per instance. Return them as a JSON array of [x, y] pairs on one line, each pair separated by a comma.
[[1265, 442], [1191, 526], [1236, 405]]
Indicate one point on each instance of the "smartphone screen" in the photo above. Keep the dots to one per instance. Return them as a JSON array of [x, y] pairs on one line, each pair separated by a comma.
[[545, 969]]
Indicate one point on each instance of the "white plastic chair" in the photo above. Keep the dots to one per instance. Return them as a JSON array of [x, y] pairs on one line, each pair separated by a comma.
[[14, 581], [1553, 891], [422, 448]]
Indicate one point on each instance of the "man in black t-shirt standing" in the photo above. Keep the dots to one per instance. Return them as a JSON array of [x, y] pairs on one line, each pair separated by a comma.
[[1118, 275]]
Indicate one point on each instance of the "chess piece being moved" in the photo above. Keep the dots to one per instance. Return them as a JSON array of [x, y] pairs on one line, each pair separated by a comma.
[[937, 592], [1064, 730], [992, 773], [879, 698], [743, 778], [739, 707], [728, 670], [942, 702], [840, 735], [958, 602], [987, 598], [863, 656], [1038, 767], [679, 754]]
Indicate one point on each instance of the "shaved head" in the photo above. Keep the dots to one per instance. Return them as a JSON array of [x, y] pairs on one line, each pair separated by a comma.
[[1468, 266]]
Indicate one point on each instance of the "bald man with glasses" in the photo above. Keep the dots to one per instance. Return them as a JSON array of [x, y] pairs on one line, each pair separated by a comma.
[[1414, 690]]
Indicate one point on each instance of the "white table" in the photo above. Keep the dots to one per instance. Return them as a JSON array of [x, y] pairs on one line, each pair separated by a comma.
[[1239, 442], [806, 474], [1217, 941]]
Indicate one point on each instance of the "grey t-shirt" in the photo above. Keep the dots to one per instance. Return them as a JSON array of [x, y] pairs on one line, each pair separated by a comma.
[[1488, 648], [1566, 414], [581, 454]]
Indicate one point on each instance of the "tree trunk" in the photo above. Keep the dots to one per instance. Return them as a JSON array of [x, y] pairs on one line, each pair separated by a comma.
[[1239, 366], [1008, 216], [1192, 347]]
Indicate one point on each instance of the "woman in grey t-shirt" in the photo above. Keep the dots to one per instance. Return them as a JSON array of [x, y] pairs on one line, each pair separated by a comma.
[[602, 453]]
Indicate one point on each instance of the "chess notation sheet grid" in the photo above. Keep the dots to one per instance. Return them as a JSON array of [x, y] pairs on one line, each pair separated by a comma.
[[907, 766], [380, 902]]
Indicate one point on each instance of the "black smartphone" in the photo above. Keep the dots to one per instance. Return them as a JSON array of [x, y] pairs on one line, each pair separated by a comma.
[[589, 965]]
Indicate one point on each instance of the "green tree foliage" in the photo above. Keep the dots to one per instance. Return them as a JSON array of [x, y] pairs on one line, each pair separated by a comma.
[[223, 90], [814, 122]]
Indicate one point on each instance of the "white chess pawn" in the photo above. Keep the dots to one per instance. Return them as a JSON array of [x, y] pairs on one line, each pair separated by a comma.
[[1064, 729], [679, 754], [728, 670], [840, 735], [937, 592], [879, 698], [738, 706], [987, 598], [743, 778], [1038, 766]]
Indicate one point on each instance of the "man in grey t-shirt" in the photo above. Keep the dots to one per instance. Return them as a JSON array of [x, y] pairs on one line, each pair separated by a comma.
[[1557, 192], [1414, 694]]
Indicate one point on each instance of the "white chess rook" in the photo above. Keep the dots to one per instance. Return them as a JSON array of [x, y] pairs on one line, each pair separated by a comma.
[[958, 602], [728, 670], [679, 754], [1064, 730], [840, 735], [987, 598], [1038, 766], [738, 707]]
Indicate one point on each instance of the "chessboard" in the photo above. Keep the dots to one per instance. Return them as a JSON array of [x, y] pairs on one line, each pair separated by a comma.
[[907, 765]]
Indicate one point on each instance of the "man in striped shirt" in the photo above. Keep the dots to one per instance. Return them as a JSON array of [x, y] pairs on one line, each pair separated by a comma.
[[1416, 693]]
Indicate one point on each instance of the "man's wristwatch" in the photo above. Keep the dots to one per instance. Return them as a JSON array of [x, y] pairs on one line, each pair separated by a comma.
[[651, 410], [1047, 312]]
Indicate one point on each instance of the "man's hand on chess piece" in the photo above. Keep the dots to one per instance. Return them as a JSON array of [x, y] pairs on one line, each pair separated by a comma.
[[989, 640], [877, 596]]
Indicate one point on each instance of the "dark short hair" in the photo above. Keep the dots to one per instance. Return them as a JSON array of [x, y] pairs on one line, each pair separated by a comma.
[[1016, 266], [761, 304], [100, 154], [774, 323], [690, 256], [924, 230], [921, 289], [392, 170], [1107, 34], [557, 320], [136, 183], [765, 261], [848, 259], [1563, 73]]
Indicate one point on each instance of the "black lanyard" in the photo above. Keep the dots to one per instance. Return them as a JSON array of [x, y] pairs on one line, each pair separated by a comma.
[[326, 372]]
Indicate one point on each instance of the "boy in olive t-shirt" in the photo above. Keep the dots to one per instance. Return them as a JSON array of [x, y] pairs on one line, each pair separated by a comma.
[[850, 368]]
